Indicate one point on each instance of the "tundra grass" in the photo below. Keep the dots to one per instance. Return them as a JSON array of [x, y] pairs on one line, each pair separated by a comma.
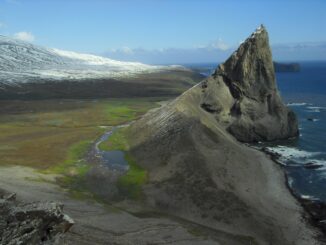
[[54, 134], [41, 147], [74, 163]]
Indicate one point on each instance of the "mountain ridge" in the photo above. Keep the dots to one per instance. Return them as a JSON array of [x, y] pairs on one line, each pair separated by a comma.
[[22, 61], [29, 71]]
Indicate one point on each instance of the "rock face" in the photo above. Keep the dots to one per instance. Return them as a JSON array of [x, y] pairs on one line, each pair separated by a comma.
[[198, 171], [242, 93], [32, 223]]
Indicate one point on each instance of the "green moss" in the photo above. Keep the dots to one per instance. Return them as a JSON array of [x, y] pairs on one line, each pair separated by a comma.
[[117, 141], [73, 164], [119, 112], [73, 170], [125, 110], [130, 184]]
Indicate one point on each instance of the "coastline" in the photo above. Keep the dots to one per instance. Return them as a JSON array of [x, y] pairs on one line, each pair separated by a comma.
[[311, 208], [314, 209]]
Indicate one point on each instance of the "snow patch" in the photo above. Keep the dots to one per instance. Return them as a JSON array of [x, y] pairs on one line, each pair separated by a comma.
[[90, 59]]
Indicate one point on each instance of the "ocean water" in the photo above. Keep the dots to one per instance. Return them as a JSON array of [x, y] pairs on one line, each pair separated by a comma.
[[304, 158], [305, 93]]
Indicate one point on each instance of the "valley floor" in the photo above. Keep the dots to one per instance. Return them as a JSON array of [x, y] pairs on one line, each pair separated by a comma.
[[45, 141], [42, 151]]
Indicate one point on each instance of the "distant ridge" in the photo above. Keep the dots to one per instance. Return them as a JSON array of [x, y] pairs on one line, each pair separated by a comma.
[[286, 67], [29, 71], [22, 61]]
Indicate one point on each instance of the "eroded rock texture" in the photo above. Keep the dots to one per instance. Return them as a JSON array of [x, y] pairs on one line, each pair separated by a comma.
[[31, 223], [242, 93]]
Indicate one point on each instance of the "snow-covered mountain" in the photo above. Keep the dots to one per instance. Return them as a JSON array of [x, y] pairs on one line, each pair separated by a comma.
[[28, 71], [22, 62]]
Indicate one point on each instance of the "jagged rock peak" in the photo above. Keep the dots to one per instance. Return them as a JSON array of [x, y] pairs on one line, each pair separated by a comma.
[[251, 64], [243, 93], [259, 30]]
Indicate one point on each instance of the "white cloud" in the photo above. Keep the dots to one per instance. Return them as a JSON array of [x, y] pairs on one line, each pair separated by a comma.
[[218, 44], [216, 52], [123, 50], [24, 36], [127, 50]]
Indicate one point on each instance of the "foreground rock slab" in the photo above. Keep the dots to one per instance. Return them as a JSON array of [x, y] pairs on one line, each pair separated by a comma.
[[31, 223], [100, 224]]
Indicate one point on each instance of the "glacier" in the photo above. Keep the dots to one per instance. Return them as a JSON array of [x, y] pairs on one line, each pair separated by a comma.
[[23, 62]]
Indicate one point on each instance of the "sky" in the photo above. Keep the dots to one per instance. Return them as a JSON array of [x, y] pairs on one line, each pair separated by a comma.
[[168, 31]]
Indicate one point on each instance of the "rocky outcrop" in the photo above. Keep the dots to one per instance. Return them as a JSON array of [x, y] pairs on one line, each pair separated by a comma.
[[198, 171], [286, 67], [243, 95], [31, 223]]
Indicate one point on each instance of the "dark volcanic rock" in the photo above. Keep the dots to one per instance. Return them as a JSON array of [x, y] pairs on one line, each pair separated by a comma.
[[317, 210], [312, 165], [31, 223], [312, 119], [243, 94]]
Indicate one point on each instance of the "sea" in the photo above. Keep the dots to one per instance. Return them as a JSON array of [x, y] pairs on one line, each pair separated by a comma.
[[303, 158]]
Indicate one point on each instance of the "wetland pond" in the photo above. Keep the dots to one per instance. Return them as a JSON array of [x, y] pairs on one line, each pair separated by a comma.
[[115, 159]]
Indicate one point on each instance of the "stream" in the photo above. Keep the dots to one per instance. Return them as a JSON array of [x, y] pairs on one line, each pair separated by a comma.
[[114, 160]]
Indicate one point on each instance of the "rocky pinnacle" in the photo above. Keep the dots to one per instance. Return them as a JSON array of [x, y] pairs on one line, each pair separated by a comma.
[[255, 110]]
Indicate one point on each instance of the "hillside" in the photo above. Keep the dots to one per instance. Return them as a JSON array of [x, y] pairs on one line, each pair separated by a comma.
[[198, 170]]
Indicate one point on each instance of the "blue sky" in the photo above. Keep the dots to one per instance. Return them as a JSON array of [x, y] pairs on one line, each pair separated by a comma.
[[163, 31]]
